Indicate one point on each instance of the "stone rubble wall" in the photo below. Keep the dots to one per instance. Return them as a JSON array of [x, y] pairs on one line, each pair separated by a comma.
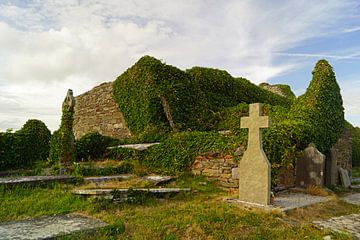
[[96, 110], [342, 151], [220, 168]]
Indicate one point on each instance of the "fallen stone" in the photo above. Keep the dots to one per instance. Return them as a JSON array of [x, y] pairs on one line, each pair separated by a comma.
[[158, 180], [34, 180], [48, 227], [139, 147]]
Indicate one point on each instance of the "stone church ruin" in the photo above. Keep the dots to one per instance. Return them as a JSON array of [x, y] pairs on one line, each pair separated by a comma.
[[192, 102]]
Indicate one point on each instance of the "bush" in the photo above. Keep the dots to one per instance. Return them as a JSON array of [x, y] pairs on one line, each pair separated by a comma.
[[355, 134], [26, 146], [92, 146]]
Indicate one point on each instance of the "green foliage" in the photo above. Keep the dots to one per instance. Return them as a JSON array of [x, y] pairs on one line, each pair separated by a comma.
[[26, 146], [156, 98], [92, 146], [123, 153]]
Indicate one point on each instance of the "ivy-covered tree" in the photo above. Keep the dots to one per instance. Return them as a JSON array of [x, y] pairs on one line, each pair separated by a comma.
[[322, 107]]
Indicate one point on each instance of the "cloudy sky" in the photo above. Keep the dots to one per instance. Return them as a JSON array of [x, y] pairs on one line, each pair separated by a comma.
[[47, 47]]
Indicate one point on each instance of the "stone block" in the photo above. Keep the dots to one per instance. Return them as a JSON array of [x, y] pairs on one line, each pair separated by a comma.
[[235, 173], [211, 173]]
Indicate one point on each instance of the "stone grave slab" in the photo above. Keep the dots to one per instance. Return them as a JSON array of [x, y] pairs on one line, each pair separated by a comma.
[[254, 167], [310, 168], [48, 227], [348, 224], [122, 192], [284, 202], [107, 178], [344, 177], [352, 198], [139, 147], [34, 180]]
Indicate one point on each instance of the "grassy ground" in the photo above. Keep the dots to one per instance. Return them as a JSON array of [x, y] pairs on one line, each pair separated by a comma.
[[200, 215]]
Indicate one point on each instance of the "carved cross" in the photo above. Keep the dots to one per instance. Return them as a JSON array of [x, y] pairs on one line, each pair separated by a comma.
[[254, 122]]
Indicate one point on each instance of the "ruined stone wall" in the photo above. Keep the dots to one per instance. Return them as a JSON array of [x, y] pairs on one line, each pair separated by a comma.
[[218, 168], [96, 110]]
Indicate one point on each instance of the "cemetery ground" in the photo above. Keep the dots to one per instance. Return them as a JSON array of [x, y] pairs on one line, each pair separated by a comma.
[[199, 214]]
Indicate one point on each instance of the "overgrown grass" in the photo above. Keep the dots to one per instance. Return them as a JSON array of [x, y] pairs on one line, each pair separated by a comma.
[[200, 215], [20, 203]]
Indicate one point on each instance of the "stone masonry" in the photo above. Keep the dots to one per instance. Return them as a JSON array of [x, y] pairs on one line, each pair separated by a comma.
[[216, 167], [339, 156], [96, 111]]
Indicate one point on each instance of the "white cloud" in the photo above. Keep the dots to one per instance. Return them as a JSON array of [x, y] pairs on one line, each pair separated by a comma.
[[49, 46]]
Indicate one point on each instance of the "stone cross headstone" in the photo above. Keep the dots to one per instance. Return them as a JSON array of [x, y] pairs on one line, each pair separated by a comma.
[[254, 167]]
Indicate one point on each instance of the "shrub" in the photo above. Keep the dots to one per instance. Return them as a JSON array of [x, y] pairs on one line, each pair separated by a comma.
[[36, 137], [355, 134], [26, 146], [92, 146]]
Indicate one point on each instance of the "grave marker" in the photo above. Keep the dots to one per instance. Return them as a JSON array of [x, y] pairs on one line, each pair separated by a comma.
[[254, 167]]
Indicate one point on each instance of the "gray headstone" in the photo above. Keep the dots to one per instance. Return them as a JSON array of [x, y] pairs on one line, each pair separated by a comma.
[[344, 177], [331, 169], [310, 168]]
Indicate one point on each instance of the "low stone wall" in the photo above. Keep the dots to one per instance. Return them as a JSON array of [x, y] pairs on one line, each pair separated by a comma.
[[220, 168], [96, 110]]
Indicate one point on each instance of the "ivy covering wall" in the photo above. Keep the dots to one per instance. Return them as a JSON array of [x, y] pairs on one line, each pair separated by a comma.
[[155, 97]]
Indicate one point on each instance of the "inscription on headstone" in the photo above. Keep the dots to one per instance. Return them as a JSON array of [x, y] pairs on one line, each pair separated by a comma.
[[254, 167]]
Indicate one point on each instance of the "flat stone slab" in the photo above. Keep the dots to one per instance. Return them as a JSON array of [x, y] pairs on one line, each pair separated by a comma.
[[122, 193], [348, 224], [108, 178], [34, 180], [48, 227], [139, 147], [284, 202], [355, 180], [352, 198]]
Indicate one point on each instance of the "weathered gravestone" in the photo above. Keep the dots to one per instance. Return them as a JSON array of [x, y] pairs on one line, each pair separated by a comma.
[[310, 168], [254, 168], [344, 177]]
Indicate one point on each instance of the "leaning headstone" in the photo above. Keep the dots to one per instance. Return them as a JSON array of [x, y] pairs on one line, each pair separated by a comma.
[[254, 167], [310, 168], [344, 177]]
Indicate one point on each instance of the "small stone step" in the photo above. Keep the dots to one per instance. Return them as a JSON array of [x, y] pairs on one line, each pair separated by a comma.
[[139, 147], [34, 180], [107, 178], [48, 227]]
